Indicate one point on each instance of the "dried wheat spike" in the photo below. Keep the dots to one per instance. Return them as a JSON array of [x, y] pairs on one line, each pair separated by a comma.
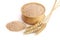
[[37, 28], [32, 28], [42, 26]]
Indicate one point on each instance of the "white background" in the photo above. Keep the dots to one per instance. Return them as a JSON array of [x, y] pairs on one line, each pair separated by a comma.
[[10, 10]]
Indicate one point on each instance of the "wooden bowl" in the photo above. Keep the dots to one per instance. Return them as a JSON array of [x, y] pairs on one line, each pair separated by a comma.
[[32, 13]]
